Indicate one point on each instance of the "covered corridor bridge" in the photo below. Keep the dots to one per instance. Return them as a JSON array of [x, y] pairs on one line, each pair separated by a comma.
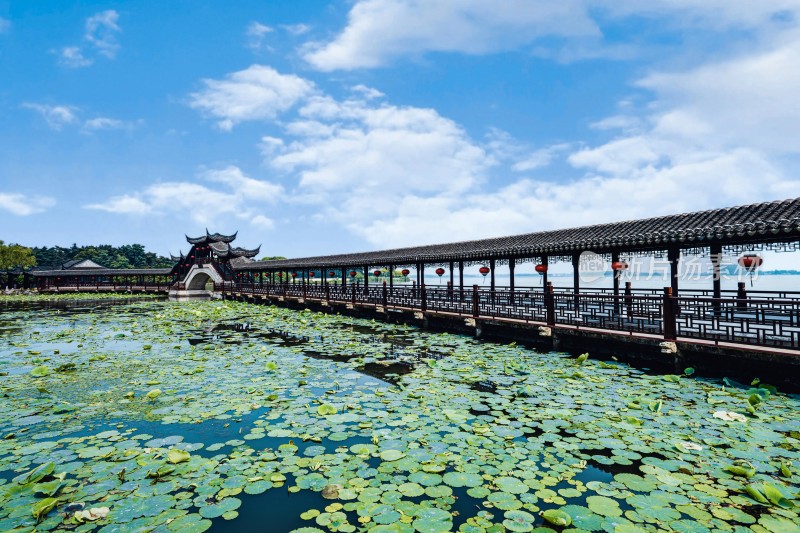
[[764, 319]]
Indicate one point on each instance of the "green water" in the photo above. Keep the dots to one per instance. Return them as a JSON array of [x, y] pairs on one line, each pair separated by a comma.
[[231, 417]]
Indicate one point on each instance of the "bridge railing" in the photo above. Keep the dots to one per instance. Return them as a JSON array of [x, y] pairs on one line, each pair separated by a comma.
[[773, 322], [106, 286]]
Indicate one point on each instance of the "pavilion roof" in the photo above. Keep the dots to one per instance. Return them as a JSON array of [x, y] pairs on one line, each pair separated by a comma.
[[211, 238], [767, 222]]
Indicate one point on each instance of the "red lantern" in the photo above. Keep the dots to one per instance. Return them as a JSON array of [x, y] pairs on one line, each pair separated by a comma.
[[311, 274], [377, 273], [750, 262], [484, 270], [619, 265], [352, 273], [405, 272], [439, 271], [280, 274], [294, 274], [331, 274], [541, 269]]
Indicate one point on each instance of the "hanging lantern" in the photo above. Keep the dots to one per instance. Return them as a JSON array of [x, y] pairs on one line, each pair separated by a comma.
[[311, 274], [440, 272], [377, 273], [353, 273], [280, 274], [331, 274], [750, 262], [294, 274], [405, 272], [484, 270], [541, 269], [619, 265]]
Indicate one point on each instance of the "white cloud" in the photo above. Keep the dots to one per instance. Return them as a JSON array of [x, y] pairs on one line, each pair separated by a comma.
[[23, 205], [367, 92], [72, 56], [262, 222], [101, 32], [5, 25], [104, 123], [539, 158], [123, 204], [296, 29], [366, 150], [747, 100], [256, 93], [380, 30], [56, 116], [244, 186], [242, 197], [255, 34]]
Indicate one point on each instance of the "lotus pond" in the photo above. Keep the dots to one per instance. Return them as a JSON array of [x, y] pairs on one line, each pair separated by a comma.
[[185, 417]]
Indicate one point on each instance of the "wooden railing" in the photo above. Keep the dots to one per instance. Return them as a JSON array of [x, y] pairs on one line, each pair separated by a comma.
[[761, 319], [106, 286]]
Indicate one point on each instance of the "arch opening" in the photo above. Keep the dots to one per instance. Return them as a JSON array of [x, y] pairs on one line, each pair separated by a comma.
[[199, 282]]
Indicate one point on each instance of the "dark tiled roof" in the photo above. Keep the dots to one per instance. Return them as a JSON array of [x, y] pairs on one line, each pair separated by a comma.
[[777, 221], [225, 251], [211, 237], [102, 272]]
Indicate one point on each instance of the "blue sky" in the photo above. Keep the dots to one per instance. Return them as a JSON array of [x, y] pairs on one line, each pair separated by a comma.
[[322, 127]]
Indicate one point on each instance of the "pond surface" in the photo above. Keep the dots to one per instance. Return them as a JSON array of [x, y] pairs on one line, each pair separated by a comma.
[[160, 416]]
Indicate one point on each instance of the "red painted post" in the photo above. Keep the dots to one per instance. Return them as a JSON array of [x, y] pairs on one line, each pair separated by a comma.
[[668, 310]]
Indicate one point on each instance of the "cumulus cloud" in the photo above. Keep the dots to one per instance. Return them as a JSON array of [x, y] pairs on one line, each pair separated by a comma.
[[364, 148], [24, 205], [706, 136], [241, 196], [56, 116], [256, 93], [380, 30]]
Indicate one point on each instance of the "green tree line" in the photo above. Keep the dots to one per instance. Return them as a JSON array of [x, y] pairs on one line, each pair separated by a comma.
[[125, 256]]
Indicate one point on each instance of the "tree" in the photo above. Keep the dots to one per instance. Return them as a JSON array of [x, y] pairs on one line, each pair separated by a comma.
[[272, 258], [13, 256]]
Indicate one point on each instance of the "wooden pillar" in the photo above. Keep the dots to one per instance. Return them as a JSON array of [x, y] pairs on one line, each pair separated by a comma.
[[674, 256], [544, 276], [491, 273], [669, 315], [344, 279], [451, 275], [366, 279], [391, 276], [616, 273], [716, 259], [576, 279], [511, 266], [420, 274]]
